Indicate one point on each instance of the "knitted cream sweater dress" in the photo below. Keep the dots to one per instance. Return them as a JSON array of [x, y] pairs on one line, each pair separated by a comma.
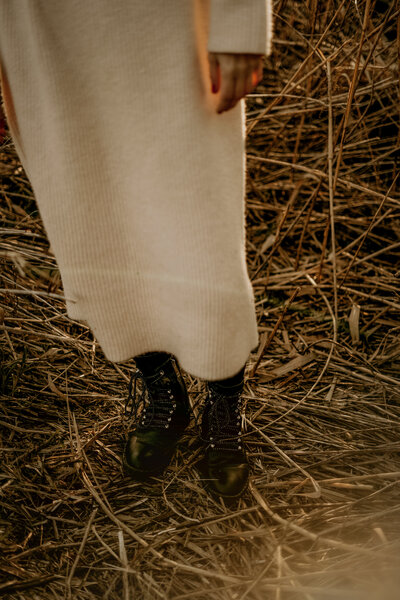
[[139, 182]]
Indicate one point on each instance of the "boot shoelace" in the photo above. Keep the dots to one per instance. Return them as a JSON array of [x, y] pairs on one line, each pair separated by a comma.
[[224, 421], [158, 402]]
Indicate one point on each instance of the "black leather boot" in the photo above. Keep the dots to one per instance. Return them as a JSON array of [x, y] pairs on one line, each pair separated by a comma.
[[225, 467], [164, 417]]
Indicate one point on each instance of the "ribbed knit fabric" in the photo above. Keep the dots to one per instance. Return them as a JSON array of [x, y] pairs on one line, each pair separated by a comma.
[[139, 182]]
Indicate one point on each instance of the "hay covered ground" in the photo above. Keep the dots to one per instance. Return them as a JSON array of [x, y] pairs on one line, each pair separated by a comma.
[[321, 519]]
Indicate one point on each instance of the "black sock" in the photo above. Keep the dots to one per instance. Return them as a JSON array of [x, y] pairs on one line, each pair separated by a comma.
[[231, 384], [150, 361]]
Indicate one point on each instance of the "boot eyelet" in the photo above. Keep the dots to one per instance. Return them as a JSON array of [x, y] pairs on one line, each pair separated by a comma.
[[212, 445], [161, 372]]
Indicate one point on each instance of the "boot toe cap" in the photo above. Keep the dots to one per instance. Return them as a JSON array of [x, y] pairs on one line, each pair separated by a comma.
[[229, 481], [145, 458]]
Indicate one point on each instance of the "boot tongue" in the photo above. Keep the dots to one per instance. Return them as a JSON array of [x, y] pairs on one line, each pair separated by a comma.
[[224, 421], [231, 393], [229, 387]]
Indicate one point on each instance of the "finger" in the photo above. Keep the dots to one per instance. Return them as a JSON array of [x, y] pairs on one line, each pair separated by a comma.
[[243, 84], [257, 67], [260, 70], [256, 76], [228, 83], [251, 81], [214, 72], [249, 78]]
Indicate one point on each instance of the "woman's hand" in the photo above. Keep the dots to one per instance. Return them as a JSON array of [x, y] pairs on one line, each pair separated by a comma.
[[234, 75]]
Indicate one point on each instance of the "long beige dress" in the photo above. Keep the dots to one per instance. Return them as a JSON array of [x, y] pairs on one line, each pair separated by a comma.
[[139, 182]]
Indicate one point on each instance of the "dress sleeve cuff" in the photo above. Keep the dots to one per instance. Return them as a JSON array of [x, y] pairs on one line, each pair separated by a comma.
[[242, 26]]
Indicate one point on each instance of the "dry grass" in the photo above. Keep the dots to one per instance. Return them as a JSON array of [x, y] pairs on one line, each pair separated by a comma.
[[321, 520]]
